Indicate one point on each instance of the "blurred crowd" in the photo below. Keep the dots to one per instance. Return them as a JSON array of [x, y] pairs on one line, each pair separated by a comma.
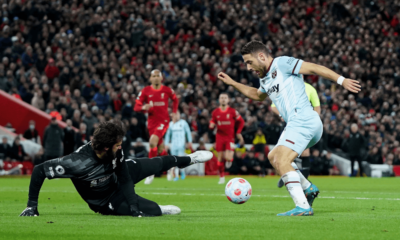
[[85, 61]]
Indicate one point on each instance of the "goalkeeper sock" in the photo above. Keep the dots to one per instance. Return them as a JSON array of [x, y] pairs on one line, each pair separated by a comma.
[[292, 183], [304, 182], [153, 152]]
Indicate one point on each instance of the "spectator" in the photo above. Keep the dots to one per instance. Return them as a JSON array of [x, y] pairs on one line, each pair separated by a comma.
[[82, 137], [89, 120], [38, 101], [259, 141], [265, 165], [374, 157], [354, 144], [28, 58], [139, 149], [51, 70], [5, 150], [250, 165], [102, 99], [328, 167], [53, 140], [32, 134], [17, 150], [134, 130], [69, 138]]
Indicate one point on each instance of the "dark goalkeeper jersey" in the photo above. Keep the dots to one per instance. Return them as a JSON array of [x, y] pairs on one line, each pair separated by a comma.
[[96, 180]]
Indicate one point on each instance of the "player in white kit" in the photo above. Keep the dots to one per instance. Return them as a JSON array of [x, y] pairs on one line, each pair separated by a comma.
[[281, 81], [175, 139]]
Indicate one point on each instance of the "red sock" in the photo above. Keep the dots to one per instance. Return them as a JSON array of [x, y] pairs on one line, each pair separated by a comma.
[[163, 153], [153, 152], [221, 169]]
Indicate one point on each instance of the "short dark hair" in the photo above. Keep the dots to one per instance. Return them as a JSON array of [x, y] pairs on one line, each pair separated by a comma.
[[254, 47], [224, 93], [107, 134]]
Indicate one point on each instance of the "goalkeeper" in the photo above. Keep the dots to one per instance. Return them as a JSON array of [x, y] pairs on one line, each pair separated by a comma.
[[104, 179]]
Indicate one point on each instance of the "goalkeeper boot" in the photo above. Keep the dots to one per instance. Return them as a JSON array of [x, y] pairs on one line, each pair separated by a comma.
[[169, 210], [311, 193], [298, 211], [200, 156], [149, 179]]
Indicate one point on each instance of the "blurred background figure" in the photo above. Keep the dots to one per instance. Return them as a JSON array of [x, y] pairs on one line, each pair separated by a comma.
[[53, 140]]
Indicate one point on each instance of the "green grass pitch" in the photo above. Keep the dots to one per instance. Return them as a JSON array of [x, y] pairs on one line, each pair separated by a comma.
[[348, 208]]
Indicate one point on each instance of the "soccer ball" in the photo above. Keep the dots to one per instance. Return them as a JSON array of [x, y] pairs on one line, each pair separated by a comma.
[[238, 190]]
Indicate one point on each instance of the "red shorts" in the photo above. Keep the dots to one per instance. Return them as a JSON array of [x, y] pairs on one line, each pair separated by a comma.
[[224, 144], [159, 131]]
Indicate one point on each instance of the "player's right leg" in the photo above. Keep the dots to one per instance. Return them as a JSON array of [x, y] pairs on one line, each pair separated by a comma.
[[305, 163]]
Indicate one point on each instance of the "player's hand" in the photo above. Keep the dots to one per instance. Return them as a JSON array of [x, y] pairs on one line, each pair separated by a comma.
[[241, 140], [137, 213], [351, 85], [146, 107], [225, 78], [189, 144], [30, 212]]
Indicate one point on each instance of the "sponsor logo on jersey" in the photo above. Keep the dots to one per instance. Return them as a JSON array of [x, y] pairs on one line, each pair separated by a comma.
[[273, 89], [224, 122], [150, 95], [159, 104], [274, 73], [60, 170]]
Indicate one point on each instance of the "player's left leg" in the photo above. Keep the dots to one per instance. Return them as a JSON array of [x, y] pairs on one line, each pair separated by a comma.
[[281, 158], [143, 167], [120, 207], [305, 163], [228, 156]]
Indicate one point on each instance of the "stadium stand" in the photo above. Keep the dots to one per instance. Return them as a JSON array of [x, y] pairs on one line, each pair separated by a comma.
[[87, 61]]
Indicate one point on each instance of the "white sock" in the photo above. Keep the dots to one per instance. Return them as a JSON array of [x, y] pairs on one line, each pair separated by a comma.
[[292, 183], [176, 172], [304, 182], [182, 172]]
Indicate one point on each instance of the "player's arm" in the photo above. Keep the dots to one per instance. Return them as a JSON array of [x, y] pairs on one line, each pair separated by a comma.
[[188, 134], [140, 106], [55, 168], [240, 123], [315, 69], [127, 186], [175, 101], [213, 120], [250, 92]]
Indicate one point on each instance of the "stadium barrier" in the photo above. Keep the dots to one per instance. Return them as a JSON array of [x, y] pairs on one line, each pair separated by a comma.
[[19, 113]]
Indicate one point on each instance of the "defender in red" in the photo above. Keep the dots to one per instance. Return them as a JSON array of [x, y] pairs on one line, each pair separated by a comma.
[[154, 100], [226, 118]]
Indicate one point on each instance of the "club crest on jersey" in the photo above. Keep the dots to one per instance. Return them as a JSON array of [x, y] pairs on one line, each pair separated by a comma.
[[273, 89], [162, 95], [274, 73]]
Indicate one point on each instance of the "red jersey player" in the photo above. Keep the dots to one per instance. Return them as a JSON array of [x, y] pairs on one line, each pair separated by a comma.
[[153, 99], [225, 118]]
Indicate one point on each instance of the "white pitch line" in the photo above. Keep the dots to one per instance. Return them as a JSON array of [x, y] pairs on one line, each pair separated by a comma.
[[274, 196]]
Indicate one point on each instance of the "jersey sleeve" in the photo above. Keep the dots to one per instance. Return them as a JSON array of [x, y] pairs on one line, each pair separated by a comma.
[[174, 99], [69, 166], [140, 101], [314, 99], [261, 89], [240, 122], [289, 65]]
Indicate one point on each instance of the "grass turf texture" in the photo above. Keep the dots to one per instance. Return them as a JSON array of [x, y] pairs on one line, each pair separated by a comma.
[[348, 209]]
